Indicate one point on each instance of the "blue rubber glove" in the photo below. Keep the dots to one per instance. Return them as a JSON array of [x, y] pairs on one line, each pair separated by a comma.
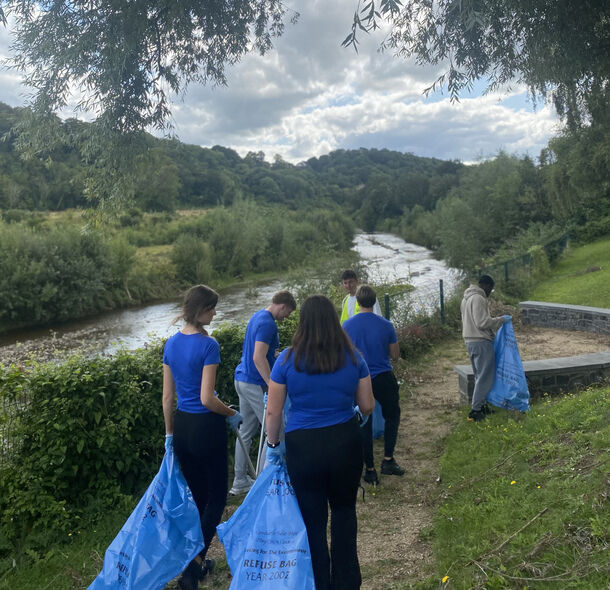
[[362, 420], [277, 456], [508, 318], [235, 420], [169, 441]]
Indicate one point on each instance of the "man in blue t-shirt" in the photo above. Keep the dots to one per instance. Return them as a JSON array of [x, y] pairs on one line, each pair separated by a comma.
[[259, 351], [375, 337]]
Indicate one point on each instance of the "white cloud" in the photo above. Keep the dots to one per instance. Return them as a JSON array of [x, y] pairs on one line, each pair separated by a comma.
[[309, 96]]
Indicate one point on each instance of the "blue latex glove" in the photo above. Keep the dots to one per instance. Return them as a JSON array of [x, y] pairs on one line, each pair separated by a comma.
[[508, 318], [361, 419], [277, 456], [169, 441], [235, 420]]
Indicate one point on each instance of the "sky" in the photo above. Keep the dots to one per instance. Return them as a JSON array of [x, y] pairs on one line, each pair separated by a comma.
[[309, 96]]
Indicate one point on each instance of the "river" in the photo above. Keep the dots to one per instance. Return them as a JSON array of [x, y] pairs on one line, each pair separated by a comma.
[[388, 259]]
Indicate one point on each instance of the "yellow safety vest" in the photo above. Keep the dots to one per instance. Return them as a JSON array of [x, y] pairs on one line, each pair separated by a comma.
[[344, 313]]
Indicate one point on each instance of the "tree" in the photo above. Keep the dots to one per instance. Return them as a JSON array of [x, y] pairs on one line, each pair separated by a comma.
[[128, 56], [558, 48]]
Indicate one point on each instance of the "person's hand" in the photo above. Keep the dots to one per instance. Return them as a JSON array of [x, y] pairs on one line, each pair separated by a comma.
[[169, 441], [235, 420], [362, 420], [507, 318], [276, 455]]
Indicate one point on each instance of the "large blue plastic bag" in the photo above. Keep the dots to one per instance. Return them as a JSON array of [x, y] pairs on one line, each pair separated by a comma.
[[378, 425], [510, 385], [265, 540], [160, 538]]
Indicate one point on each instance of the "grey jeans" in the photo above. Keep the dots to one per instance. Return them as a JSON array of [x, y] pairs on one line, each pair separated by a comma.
[[483, 359], [251, 408]]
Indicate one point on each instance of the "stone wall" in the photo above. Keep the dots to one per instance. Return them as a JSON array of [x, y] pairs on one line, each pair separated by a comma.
[[566, 317], [551, 376]]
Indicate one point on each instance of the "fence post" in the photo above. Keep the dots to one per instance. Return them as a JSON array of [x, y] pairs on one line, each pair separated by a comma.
[[506, 271], [442, 294], [386, 301]]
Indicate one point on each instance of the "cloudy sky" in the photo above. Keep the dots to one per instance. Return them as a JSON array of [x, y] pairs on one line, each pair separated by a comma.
[[309, 96]]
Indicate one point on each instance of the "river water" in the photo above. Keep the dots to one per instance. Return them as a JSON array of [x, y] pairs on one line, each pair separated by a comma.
[[388, 259]]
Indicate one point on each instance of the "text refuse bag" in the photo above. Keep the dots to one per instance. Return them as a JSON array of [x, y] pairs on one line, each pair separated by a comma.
[[265, 540], [161, 536], [510, 386]]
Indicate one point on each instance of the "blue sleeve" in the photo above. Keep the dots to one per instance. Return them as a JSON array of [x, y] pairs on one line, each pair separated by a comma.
[[265, 332], [363, 368], [165, 359], [211, 352], [392, 334], [280, 368]]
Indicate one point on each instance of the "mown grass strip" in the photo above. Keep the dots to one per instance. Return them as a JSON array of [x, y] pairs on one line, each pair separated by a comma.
[[524, 502]]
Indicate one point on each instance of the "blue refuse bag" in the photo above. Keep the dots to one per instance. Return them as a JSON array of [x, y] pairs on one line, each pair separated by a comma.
[[378, 422], [510, 389], [265, 540], [161, 536]]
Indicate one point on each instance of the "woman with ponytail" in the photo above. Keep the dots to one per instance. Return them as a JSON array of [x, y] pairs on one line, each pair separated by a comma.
[[198, 425]]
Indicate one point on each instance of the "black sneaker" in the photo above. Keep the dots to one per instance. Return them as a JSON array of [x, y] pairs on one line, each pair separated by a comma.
[[391, 468], [476, 415], [486, 409], [189, 580], [207, 567], [370, 476]]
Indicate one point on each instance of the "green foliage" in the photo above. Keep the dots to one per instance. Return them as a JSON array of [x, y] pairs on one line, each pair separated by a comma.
[[503, 41], [192, 260], [130, 60], [545, 473], [84, 432]]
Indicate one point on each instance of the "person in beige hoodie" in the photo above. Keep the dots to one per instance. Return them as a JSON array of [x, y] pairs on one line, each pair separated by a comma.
[[478, 331]]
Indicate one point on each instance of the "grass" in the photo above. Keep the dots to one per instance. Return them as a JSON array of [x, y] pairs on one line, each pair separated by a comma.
[[571, 283], [525, 501]]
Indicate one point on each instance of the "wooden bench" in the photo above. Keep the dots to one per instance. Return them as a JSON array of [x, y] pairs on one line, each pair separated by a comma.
[[549, 376]]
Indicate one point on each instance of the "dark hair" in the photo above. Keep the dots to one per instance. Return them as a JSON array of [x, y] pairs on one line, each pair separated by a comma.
[[349, 274], [198, 299], [319, 344], [284, 298], [366, 296], [485, 280]]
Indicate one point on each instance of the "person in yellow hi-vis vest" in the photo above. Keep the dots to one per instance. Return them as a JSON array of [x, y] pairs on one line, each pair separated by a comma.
[[350, 307]]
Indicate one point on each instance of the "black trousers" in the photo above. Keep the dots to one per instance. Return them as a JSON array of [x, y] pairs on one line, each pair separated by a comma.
[[385, 391], [200, 444], [325, 465]]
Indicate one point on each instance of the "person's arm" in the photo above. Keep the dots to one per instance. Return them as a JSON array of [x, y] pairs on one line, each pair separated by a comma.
[[364, 396], [276, 397], [208, 399], [260, 360], [394, 349], [169, 395]]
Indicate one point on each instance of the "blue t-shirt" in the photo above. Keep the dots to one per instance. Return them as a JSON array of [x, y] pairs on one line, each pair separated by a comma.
[[186, 355], [261, 328], [318, 400], [372, 335]]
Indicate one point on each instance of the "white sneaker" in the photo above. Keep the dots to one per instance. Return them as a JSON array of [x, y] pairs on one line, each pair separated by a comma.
[[241, 487]]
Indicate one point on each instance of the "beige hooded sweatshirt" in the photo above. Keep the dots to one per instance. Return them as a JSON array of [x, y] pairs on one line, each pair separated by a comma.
[[477, 323]]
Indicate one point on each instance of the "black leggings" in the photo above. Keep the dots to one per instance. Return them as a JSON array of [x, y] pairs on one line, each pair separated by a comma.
[[200, 444], [325, 465], [385, 391]]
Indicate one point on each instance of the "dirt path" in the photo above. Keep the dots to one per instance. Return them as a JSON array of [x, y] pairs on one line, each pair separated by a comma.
[[394, 518], [393, 524]]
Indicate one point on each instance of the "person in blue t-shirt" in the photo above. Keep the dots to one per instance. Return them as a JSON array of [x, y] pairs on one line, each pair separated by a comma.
[[375, 337], [259, 351], [197, 427], [324, 377]]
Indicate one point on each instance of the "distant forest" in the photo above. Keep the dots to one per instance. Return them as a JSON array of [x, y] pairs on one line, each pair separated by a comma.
[[468, 213]]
